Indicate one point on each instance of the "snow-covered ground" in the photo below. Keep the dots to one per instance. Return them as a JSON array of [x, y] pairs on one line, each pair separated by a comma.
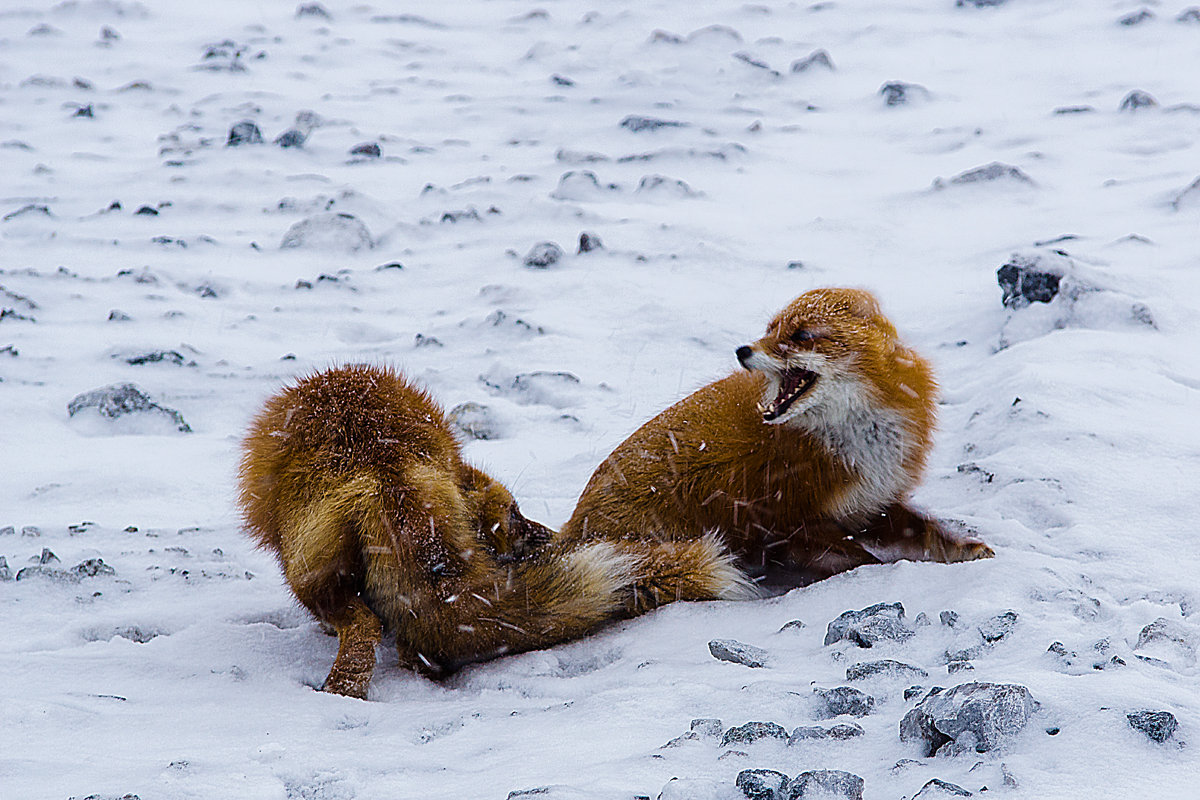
[[1068, 434]]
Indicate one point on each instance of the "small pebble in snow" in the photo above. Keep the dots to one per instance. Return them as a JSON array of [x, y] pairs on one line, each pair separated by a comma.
[[5, 572], [998, 626], [885, 668], [958, 666], [146, 211], [842, 700], [792, 625], [119, 400], [738, 653], [328, 231], [761, 784], [912, 692], [1189, 15], [244, 132], [949, 618], [366, 150], [561, 80], [1024, 280], [291, 138], [825, 784], [938, 788], [118, 316], [1137, 99], [638, 123], [898, 93], [47, 557], [1158, 725], [543, 255], [980, 3], [32, 531], [475, 420], [752, 732], [817, 58], [589, 242], [1136, 18], [86, 111], [988, 173], [312, 10], [866, 627]]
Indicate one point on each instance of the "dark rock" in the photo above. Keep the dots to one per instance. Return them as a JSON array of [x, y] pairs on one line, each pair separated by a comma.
[[543, 255], [116, 315], [757, 63], [877, 623], [47, 557], [661, 185], [458, 216], [980, 3], [475, 420], [146, 211], [739, 653], [886, 668], [32, 531], [939, 788], [1189, 15], [421, 340], [912, 692], [561, 80], [998, 627], [328, 231], [1028, 279], [160, 357], [389, 266], [29, 210], [1158, 725], [840, 732], [5, 572], [898, 93], [752, 732], [971, 717], [1167, 641], [1136, 18], [244, 132], [589, 242], [793, 625], [950, 618], [92, 567], [842, 700], [1137, 99], [638, 123], [707, 727], [119, 400], [986, 174], [85, 111], [954, 667], [366, 150], [815, 59], [680, 740], [761, 784], [1074, 110], [825, 784], [291, 138], [48, 573], [312, 10]]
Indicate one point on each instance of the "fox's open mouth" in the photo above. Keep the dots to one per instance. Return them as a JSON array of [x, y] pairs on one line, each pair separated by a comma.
[[794, 383]]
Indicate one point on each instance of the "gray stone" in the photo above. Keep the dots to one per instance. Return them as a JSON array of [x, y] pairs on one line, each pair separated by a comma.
[[840, 732], [708, 727], [913, 691], [971, 717], [938, 788], [842, 700], [160, 357], [242, 133], [1029, 279], [898, 93], [589, 242], [1137, 99], [662, 186], [988, 173], [1158, 725], [825, 783], [92, 567], [48, 573], [332, 231], [761, 784], [886, 668], [313, 10], [119, 400], [543, 255], [474, 420], [1189, 15], [752, 732], [877, 623], [291, 138], [5, 572], [793, 625], [367, 150], [1167, 641], [980, 3], [637, 123], [950, 618], [739, 653], [1136, 18], [47, 557], [815, 59], [954, 667], [998, 627]]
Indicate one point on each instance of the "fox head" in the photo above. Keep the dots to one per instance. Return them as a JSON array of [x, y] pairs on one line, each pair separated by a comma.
[[832, 353]]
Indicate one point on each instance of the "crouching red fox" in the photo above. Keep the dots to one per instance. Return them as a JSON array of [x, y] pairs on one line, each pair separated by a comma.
[[354, 480]]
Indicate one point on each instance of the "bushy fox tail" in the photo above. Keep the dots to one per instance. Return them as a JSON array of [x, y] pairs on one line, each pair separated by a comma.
[[697, 569]]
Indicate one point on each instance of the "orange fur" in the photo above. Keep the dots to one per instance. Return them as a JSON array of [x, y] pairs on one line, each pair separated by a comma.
[[353, 478], [797, 488]]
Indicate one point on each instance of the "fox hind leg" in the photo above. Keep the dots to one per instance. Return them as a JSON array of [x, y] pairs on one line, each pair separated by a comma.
[[899, 532]]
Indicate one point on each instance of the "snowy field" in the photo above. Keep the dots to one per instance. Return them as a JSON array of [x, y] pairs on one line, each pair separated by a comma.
[[136, 246]]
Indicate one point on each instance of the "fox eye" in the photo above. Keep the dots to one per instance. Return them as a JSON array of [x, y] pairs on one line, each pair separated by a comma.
[[803, 335]]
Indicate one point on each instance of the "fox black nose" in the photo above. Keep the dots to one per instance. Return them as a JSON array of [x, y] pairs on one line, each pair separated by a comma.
[[743, 354]]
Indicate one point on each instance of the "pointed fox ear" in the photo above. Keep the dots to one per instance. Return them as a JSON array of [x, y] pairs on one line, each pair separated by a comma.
[[863, 304]]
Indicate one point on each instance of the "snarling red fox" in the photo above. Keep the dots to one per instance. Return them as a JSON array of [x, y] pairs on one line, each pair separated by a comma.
[[800, 464], [354, 480]]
